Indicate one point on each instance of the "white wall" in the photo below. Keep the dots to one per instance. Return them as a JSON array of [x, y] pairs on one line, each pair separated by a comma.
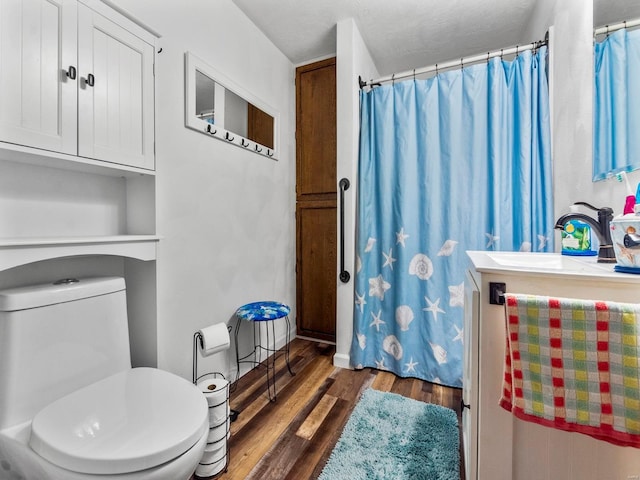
[[571, 92], [353, 59], [225, 215]]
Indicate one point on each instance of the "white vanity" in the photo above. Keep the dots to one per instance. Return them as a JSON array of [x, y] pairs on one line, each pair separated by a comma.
[[498, 446]]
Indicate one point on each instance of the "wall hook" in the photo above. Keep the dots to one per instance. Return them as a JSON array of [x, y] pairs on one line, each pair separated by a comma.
[[229, 137], [269, 153], [258, 149], [209, 130], [242, 142]]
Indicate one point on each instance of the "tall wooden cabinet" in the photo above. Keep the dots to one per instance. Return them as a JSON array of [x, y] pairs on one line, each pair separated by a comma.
[[73, 81], [316, 187]]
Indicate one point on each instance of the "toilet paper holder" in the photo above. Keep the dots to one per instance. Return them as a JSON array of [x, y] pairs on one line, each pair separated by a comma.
[[211, 466], [197, 340]]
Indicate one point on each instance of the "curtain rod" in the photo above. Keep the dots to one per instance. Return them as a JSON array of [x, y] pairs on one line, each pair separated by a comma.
[[454, 63], [616, 26]]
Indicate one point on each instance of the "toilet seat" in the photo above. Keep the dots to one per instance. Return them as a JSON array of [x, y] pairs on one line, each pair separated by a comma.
[[133, 420]]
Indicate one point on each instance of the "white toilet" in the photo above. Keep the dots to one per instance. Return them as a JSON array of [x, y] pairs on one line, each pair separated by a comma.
[[71, 406]]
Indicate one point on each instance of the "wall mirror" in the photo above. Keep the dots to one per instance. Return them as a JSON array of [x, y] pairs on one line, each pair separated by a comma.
[[217, 107], [616, 87]]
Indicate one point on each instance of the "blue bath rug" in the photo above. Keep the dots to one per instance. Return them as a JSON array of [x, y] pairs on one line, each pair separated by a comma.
[[390, 437]]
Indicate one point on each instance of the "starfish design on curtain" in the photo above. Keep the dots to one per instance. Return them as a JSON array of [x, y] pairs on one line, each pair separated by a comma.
[[434, 308], [377, 287], [377, 321], [459, 335], [360, 301], [492, 239], [401, 237], [388, 259], [411, 366]]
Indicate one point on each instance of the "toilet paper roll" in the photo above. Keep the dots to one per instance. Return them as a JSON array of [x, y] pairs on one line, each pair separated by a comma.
[[217, 433], [214, 453], [215, 390], [215, 338], [209, 470], [217, 415]]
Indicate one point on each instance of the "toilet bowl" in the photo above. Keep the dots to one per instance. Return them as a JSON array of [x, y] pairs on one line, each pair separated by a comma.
[[71, 406]]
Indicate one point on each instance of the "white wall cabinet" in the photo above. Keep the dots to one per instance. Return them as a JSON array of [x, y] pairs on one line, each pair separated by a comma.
[[77, 169], [76, 82]]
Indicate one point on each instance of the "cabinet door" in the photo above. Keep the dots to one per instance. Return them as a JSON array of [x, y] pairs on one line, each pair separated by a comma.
[[470, 385], [316, 269], [37, 98], [115, 94]]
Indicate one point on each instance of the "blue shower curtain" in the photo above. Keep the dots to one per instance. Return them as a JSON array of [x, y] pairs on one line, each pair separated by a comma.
[[457, 162], [616, 126]]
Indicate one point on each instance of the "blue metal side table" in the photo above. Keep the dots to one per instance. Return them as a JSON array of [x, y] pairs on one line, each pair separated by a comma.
[[258, 313]]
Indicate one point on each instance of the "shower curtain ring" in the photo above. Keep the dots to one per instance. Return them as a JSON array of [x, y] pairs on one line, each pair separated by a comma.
[[393, 79], [414, 74], [502, 54], [488, 56], [517, 50]]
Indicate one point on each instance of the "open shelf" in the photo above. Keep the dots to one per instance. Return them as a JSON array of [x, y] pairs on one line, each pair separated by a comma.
[[21, 251]]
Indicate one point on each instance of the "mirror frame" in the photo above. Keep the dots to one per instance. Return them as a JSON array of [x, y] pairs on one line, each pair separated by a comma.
[[192, 64]]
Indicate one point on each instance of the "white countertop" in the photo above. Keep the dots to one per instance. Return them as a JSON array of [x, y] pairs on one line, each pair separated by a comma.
[[545, 264]]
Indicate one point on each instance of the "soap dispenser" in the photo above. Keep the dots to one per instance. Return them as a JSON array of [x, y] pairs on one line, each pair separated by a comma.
[[577, 238]]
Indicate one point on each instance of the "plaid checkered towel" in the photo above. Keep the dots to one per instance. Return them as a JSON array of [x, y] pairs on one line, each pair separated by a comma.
[[574, 365]]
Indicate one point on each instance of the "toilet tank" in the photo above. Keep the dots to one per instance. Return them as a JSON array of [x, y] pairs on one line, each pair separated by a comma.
[[56, 338]]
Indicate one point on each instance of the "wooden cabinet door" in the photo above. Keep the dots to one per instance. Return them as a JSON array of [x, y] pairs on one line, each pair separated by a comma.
[[316, 212], [316, 128], [316, 251], [37, 99], [115, 94]]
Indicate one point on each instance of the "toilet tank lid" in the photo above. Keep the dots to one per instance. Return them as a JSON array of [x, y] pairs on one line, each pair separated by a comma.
[[68, 290]]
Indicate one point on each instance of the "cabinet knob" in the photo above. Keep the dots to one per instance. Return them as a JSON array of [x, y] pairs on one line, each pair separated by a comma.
[[71, 73]]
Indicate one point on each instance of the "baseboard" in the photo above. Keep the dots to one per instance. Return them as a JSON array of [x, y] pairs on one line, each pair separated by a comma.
[[342, 360], [316, 340]]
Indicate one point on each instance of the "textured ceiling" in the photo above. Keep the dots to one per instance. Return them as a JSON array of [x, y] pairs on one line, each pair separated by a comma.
[[613, 11], [405, 34]]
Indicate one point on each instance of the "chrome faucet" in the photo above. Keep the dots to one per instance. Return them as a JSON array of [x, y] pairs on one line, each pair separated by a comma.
[[600, 226]]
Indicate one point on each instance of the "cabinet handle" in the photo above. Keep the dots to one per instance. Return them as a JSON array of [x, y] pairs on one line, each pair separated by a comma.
[[71, 73], [91, 80], [464, 405]]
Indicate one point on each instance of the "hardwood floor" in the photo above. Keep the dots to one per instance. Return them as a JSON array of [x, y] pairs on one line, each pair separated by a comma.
[[292, 438]]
